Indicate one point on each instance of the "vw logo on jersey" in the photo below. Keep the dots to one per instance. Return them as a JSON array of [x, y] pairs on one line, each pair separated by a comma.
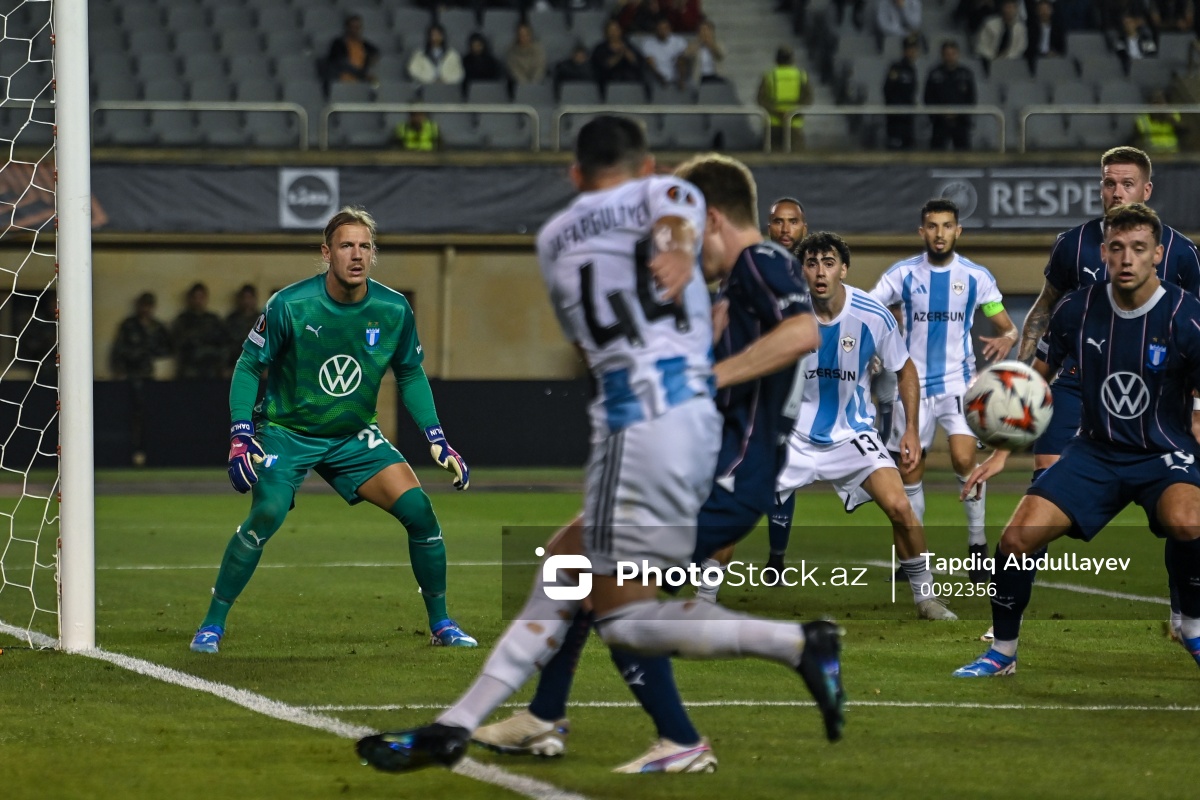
[[848, 343], [958, 287], [1125, 395], [340, 375], [1156, 355]]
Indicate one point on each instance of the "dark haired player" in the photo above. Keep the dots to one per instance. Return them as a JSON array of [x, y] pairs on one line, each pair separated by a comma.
[[1135, 343]]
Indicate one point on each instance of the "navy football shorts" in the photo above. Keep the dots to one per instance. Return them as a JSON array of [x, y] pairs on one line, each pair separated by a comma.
[[1092, 483]]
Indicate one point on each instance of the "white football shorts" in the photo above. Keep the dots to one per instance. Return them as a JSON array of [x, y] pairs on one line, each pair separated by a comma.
[[846, 465], [644, 487], [944, 409]]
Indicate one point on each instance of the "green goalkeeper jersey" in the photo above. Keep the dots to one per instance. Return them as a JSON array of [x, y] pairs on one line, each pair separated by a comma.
[[327, 359]]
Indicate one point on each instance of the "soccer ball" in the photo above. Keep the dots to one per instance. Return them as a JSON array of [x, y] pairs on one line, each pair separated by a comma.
[[1008, 405]]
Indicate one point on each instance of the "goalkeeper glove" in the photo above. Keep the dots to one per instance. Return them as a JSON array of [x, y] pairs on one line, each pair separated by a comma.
[[244, 453], [446, 458]]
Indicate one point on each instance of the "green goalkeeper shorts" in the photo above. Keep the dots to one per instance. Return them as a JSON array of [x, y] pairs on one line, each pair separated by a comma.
[[345, 462]]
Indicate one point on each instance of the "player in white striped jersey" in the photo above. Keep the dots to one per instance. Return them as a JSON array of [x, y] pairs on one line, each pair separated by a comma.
[[938, 293], [834, 438]]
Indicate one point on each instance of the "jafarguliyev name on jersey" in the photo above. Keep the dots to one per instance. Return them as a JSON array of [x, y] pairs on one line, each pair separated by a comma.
[[646, 355]]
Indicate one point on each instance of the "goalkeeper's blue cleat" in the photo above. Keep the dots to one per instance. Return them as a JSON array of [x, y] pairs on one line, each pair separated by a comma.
[[991, 664], [820, 667], [402, 751], [447, 634], [208, 639], [1192, 646]]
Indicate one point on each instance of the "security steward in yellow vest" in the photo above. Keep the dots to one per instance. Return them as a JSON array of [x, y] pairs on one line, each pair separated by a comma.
[[1158, 133], [419, 132], [784, 89]]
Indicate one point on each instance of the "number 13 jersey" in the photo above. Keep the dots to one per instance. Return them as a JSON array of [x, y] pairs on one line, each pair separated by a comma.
[[646, 356]]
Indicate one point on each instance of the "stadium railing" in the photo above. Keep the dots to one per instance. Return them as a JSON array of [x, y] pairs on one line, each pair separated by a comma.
[[1094, 110], [430, 108], [663, 110], [198, 105], [994, 112]]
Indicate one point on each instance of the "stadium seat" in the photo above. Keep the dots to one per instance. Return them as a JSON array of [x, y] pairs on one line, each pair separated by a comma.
[[211, 90], [717, 94], [183, 17], [140, 14], [540, 95], [257, 90], [106, 42], [1087, 44], [487, 92], [117, 87], [588, 24], [507, 131], [1101, 68], [221, 128], [234, 17], [165, 89], [1050, 71], [297, 66], [579, 94], [397, 92], [550, 25], [195, 41], [500, 27], [736, 133], [342, 92], [306, 92], [1151, 73], [271, 129], [1009, 70], [687, 131], [175, 129], [391, 68], [1114, 93], [1048, 132], [441, 93], [1075, 93], [672, 95], [250, 66], [122, 129], [148, 40], [459, 131], [459, 24], [287, 41], [240, 42], [1174, 46], [198, 66], [625, 94], [278, 18]]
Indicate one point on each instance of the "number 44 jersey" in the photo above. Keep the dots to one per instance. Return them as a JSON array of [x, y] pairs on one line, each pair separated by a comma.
[[646, 356]]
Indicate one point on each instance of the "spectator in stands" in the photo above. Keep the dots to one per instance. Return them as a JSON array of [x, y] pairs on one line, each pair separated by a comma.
[[199, 339], [857, 9], [141, 340], [662, 52], [577, 68], [950, 83], [419, 133], [240, 321], [972, 13], [1159, 132], [638, 16], [900, 89], [437, 62], [479, 64], [615, 60], [704, 54], [685, 15], [897, 18], [784, 88], [351, 57], [1077, 15], [526, 58], [1003, 35], [1047, 36], [1133, 41], [1172, 15]]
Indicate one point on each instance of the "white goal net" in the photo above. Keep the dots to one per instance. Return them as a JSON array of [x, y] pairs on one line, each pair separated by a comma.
[[30, 242]]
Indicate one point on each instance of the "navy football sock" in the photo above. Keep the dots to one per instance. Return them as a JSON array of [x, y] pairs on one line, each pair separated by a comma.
[[1014, 586], [653, 684], [1172, 587], [779, 528], [1183, 559], [554, 685]]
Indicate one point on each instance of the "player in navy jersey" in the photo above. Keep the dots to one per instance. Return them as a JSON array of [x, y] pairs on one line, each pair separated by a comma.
[[765, 302], [1135, 342], [938, 293], [1075, 262], [653, 446]]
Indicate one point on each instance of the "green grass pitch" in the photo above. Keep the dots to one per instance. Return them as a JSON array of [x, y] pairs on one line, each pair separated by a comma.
[[332, 622]]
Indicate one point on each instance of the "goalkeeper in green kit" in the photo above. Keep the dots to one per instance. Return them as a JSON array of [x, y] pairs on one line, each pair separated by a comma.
[[328, 341]]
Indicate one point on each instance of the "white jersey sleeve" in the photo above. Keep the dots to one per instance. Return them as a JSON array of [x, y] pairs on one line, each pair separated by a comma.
[[646, 355]]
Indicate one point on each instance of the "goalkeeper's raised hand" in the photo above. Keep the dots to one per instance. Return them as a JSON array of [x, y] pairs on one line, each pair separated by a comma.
[[446, 458], [244, 453]]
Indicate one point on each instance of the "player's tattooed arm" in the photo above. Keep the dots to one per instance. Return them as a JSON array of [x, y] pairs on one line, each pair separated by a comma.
[[1036, 322], [780, 348], [674, 260]]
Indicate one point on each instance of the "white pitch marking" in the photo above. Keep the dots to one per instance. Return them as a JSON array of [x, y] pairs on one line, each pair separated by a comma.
[[799, 704], [308, 717], [336, 564]]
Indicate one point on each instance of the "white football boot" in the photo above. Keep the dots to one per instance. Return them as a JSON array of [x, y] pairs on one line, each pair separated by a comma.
[[666, 756], [523, 733], [932, 608]]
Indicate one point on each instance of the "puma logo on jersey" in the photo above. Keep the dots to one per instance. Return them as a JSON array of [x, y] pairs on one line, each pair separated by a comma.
[[1098, 345], [316, 330], [1092, 272]]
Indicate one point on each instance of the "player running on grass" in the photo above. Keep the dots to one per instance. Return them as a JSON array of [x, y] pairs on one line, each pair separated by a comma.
[[655, 442], [328, 341], [938, 293], [1077, 261], [1135, 343]]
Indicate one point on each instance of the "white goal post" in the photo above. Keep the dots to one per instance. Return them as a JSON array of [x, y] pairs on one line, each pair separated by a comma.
[[77, 523], [47, 503]]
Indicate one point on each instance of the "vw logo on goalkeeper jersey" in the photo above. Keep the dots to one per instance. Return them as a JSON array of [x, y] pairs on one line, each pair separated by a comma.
[[340, 375]]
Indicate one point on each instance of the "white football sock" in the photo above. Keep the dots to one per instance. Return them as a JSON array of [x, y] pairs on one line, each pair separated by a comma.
[[916, 498], [976, 533], [707, 592], [700, 630], [1007, 647], [530, 641], [918, 574], [1189, 627]]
